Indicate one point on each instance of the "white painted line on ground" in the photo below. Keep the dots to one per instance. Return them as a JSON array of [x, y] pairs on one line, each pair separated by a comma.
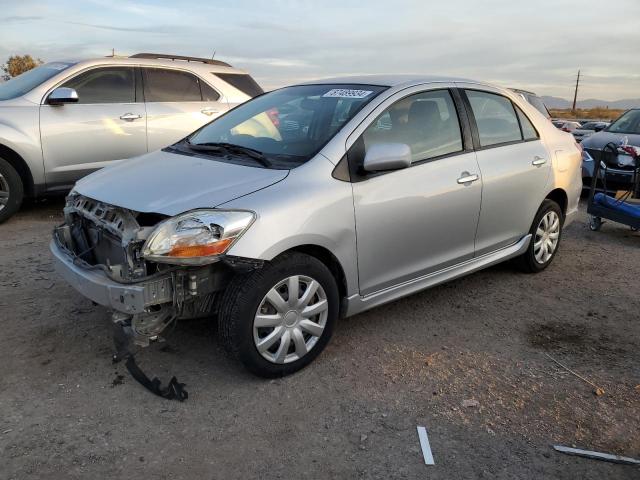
[[426, 448]]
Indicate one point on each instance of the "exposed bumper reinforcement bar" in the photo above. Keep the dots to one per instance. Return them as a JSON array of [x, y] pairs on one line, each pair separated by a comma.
[[96, 286]]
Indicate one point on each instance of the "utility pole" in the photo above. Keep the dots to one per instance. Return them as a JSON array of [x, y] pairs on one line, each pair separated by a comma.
[[575, 95]]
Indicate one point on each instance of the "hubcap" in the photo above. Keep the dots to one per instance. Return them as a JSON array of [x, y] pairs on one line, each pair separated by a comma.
[[4, 192], [547, 236], [290, 319]]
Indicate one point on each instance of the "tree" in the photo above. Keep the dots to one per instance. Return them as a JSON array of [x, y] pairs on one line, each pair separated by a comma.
[[18, 64]]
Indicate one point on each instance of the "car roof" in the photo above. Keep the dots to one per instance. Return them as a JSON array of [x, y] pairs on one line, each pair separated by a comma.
[[179, 62], [389, 80]]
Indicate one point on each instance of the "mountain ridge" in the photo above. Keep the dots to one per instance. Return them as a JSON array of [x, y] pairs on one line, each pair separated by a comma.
[[561, 103]]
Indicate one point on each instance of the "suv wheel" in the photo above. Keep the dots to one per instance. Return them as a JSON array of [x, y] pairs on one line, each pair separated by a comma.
[[276, 320], [546, 232], [11, 190]]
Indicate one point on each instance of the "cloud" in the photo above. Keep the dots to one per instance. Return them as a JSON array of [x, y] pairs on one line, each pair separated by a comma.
[[536, 45], [160, 29], [20, 18]]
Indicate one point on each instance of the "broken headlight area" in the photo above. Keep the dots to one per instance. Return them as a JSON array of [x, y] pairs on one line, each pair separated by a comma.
[[150, 290]]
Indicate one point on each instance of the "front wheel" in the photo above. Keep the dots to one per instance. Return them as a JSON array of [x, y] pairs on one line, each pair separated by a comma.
[[546, 231], [278, 319], [11, 190]]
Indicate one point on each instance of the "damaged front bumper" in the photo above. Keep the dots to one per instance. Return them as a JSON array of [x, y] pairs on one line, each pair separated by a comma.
[[94, 284], [97, 250]]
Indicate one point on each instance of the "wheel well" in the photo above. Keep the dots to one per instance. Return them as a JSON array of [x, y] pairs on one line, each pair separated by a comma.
[[329, 259], [21, 167], [560, 197]]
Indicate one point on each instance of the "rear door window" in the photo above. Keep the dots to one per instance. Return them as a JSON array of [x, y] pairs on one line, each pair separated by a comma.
[[105, 85], [495, 118], [164, 85]]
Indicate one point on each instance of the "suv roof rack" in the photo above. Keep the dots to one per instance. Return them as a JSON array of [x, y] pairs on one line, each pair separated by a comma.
[[158, 56]]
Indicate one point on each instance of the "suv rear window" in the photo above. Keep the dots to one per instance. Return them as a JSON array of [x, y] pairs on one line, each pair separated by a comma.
[[244, 83]]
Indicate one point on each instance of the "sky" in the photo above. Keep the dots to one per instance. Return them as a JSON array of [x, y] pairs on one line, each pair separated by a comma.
[[537, 45]]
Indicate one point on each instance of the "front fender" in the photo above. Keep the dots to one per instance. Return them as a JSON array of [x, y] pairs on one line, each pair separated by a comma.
[[309, 207], [20, 132]]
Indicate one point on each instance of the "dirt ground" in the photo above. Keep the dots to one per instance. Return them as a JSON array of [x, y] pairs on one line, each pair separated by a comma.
[[67, 412]]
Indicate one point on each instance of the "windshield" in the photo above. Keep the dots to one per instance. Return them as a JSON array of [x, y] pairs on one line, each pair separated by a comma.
[[629, 122], [289, 125], [589, 126], [18, 86]]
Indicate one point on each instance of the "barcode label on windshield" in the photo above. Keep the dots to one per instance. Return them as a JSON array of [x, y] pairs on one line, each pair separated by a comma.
[[347, 93]]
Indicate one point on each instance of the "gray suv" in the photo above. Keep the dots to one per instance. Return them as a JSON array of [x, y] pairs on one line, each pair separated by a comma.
[[63, 120], [319, 201]]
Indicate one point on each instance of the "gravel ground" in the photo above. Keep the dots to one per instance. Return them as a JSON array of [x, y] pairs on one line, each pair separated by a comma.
[[67, 412]]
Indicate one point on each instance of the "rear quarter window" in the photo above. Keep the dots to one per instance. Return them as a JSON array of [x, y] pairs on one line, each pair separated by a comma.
[[244, 83]]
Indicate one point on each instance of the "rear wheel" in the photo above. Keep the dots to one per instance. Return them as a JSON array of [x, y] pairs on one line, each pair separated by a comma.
[[546, 232], [11, 190], [278, 319]]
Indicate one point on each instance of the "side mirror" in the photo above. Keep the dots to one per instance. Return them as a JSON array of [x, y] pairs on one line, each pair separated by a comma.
[[387, 156], [62, 95], [598, 128]]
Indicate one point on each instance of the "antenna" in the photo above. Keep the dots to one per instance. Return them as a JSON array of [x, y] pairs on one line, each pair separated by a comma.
[[575, 95], [214, 54]]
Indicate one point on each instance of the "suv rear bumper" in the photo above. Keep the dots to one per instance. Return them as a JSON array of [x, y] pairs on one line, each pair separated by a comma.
[[96, 286]]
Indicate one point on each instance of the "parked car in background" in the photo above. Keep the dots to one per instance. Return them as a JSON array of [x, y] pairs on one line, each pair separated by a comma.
[[534, 100], [619, 171], [63, 120], [569, 126], [432, 178], [588, 128], [558, 123]]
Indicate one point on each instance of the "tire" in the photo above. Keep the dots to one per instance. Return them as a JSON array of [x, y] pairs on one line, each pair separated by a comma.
[[246, 296], [9, 180], [532, 261], [595, 223]]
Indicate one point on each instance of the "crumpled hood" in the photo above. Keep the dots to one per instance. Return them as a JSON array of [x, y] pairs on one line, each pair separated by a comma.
[[171, 183], [597, 141]]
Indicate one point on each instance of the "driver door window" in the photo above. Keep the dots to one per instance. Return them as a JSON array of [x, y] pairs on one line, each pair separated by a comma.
[[427, 122], [105, 85]]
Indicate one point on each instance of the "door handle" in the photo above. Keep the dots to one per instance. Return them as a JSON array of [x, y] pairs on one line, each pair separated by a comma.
[[467, 178], [537, 161], [130, 117], [209, 111]]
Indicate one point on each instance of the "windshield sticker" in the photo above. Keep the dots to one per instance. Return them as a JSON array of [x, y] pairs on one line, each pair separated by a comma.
[[347, 93]]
